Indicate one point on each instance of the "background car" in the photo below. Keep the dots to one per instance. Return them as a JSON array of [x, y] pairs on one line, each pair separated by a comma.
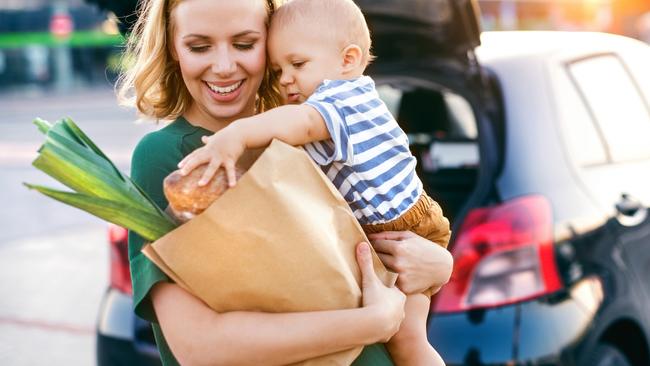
[[535, 144], [122, 338]]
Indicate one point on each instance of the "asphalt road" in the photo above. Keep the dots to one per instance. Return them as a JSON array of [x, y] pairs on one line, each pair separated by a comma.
[[53, 258]]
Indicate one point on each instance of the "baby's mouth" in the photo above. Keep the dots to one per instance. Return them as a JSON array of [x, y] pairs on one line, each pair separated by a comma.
[[293, 97]]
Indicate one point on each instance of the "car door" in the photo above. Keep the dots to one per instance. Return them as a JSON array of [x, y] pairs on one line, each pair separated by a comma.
[[614, 98]]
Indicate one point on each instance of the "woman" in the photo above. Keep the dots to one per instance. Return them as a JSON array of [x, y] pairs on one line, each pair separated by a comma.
[[202, 64]]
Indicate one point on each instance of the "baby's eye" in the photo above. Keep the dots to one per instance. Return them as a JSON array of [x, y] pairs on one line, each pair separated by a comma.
[[298, 64], [277, 72]]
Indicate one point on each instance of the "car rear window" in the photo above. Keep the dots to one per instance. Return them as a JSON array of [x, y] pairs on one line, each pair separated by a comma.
[[440, 121]]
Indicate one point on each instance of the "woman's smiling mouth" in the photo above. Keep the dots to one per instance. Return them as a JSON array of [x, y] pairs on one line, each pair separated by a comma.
[[225, 89], [225, 93]]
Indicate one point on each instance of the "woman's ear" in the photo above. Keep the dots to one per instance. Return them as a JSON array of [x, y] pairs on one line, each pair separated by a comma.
[[352, 58]]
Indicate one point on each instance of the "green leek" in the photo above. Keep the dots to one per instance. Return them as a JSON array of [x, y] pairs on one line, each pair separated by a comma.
[[98, 187]]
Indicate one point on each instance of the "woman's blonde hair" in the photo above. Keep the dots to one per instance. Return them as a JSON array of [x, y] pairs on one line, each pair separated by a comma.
[[152, 82]]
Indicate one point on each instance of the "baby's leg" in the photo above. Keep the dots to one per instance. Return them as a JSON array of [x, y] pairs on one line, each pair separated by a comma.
[[409, 346]]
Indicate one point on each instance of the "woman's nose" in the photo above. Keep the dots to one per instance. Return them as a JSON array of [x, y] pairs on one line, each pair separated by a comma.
[[224, 64]]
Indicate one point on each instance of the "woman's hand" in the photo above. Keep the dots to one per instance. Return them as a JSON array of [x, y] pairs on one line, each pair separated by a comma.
[[387, 303], [419, 263]]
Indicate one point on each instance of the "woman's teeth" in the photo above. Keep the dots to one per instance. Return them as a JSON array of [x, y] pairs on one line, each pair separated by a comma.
[[225, 89]]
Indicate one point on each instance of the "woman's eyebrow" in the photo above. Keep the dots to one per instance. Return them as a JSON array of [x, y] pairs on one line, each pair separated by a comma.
[[246, 33], [238, 35], [192, 35]]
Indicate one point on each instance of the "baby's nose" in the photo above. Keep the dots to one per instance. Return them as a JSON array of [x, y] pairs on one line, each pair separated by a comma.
[[285, 79]]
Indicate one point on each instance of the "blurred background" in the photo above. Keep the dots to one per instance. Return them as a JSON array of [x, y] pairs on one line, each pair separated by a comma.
[[68, 44], [60, 58]]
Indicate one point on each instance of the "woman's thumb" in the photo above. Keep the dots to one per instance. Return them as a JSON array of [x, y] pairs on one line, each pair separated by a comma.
[[364, 259]]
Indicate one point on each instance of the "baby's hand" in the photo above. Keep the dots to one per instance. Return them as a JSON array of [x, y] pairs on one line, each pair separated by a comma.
[[220, 150]]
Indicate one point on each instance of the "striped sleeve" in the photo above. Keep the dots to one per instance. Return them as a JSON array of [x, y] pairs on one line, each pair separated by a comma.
[[339, 148]]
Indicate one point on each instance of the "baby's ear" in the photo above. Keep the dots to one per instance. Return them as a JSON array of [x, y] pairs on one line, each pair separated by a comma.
[[352, 57]]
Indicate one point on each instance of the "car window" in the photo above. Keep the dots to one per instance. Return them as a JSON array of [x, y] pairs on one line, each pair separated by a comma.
[[616, 105], [440, 125], [582, 139], [443, 115], [462, 116]]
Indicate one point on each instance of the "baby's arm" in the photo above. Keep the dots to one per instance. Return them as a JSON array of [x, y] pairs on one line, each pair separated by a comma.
[[293, 124]]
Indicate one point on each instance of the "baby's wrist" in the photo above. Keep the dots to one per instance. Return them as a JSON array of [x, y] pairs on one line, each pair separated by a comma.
[[234, 132]]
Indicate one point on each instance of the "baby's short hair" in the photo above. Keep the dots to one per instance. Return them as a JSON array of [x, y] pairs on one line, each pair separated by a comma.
[[340, 18]]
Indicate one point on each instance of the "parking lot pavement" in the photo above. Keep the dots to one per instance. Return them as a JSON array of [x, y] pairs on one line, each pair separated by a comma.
[[53, 258], [49, 295]]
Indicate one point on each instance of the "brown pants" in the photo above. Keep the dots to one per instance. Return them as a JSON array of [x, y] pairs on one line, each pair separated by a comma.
[[425, 218]]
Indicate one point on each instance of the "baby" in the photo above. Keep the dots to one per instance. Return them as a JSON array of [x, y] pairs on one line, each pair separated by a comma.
[[319, 50]]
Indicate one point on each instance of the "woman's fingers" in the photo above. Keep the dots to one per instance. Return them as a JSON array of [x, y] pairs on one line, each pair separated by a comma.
[[387, 302], [364, 259], [388, 260], [390, 235], [384, 246]]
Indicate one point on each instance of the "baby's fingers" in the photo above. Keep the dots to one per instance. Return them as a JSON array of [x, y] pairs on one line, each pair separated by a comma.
[[192, 161], [230, 173], [209, 173], [182, 163]]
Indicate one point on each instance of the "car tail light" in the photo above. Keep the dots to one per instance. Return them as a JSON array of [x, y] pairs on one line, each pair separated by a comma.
[[503, 254], [120, 275]]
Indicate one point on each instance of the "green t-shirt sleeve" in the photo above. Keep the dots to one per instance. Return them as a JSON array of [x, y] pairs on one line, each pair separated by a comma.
[[153, 159]]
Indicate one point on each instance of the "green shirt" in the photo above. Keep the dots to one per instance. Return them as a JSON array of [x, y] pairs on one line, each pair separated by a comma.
[[153, 159]]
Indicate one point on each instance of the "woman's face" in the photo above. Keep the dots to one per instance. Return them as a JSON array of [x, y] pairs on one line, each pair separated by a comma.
[[220, 46]]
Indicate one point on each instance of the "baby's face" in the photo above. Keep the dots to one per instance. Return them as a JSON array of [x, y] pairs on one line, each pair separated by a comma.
[[303, 58]]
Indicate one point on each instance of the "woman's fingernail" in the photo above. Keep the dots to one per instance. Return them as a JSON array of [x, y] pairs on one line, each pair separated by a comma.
[[363, 248]]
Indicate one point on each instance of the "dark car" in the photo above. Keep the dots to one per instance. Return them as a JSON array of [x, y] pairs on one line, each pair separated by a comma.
[[536, 146]]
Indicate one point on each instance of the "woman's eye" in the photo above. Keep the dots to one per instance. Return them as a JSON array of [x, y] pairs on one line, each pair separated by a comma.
[[244, 46], [198, 49]]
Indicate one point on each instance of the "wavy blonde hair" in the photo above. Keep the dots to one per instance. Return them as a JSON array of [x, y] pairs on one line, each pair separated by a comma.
[[152, 83]]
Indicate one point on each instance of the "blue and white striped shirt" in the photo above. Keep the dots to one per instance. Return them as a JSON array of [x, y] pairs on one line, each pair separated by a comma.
[[367, 157]]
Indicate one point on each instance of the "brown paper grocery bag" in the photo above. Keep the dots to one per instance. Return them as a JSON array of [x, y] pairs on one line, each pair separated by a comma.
[[282, 240]]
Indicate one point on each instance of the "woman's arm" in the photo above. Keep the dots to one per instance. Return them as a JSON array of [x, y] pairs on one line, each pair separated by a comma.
[[197, 335], [419, 263]]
